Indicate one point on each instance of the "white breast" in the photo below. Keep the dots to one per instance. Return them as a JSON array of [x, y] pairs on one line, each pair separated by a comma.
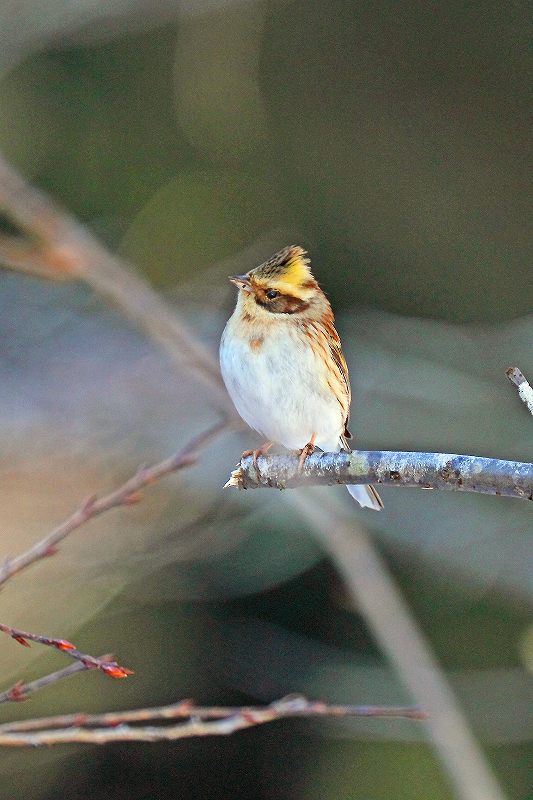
[[279, 389]]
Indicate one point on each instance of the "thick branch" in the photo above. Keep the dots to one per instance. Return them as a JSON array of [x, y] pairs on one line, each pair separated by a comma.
[[388, 468]]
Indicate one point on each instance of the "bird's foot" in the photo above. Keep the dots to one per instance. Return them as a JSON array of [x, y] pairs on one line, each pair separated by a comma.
[[259, 451], [306, 451]]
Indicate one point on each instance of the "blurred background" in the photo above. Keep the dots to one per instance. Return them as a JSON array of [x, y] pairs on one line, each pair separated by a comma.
[[195, 138]]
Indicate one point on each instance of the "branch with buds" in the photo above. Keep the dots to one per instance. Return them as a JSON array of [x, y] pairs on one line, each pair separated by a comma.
[[21, 691], [110, 668], [127, 494], [388, 468]]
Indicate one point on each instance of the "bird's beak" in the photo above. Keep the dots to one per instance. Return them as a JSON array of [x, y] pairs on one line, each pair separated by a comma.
[[241, 282]]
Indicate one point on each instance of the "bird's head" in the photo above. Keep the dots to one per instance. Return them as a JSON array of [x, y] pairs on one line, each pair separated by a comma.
[[282, 285]]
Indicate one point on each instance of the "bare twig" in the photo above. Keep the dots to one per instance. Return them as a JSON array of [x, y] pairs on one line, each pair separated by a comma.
[[110, 668], [125, 495], [425, 470], [21, 691], [525, 392], [201, 721], [296, 704]]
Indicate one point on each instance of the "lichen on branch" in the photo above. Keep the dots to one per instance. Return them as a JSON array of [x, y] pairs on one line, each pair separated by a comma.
[[440, 471]]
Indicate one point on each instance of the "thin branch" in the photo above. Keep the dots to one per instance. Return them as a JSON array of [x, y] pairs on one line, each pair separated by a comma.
[[127, 494], [110, 668], [424, 470], [201, 721], [525, 392], [21, 691], [184, 709]]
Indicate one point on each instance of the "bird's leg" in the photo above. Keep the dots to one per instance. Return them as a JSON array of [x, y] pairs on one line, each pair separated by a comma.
[[306, 451], [260, 451]]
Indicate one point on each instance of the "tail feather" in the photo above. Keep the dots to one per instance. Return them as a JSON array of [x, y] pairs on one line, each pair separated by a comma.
[[366, 496]]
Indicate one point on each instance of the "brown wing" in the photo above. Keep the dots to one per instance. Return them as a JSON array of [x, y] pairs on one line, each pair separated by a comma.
[[341, 367], [329, 344]]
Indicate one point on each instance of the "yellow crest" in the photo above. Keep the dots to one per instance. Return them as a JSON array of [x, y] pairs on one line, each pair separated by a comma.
[[296, 269], [288, 269]]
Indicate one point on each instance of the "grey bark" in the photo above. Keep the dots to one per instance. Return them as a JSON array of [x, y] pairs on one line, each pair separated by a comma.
[[449, 471]]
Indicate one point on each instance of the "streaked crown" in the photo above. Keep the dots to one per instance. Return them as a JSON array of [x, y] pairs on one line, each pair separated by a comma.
[[289, 267]]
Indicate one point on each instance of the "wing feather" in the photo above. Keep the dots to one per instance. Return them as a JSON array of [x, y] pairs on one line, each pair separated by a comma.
[[328, 343]]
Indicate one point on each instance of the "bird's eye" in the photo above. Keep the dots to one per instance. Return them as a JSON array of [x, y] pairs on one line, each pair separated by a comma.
[[272, 293]]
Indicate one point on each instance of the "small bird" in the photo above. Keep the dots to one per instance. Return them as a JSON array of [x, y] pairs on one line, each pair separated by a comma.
[[283, 365]]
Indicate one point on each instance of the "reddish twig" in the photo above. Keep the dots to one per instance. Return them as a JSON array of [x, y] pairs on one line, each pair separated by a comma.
[[110, 668], [525, 392], [21, 691], [127, 494], [200, 721]]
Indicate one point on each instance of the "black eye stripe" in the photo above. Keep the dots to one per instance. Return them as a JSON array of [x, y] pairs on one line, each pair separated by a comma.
[[283, 304]]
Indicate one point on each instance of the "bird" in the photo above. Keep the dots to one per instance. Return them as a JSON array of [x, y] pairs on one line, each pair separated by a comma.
[[282, 362]]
